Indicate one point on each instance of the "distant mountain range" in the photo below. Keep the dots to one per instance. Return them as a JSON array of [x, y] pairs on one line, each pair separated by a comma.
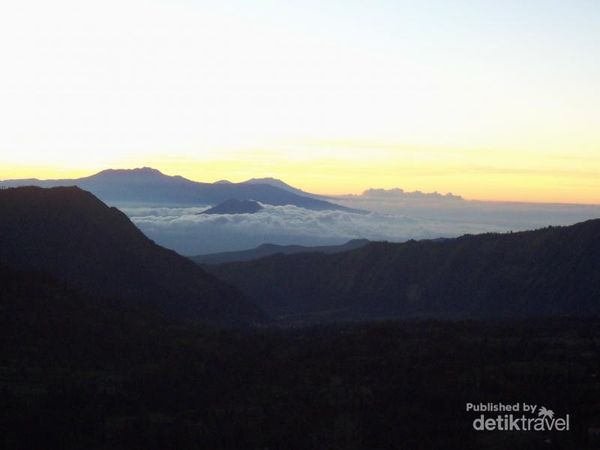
[[553, 271], [282, 185], [272, 249], [234, 206], [147, 185], [92, 248]]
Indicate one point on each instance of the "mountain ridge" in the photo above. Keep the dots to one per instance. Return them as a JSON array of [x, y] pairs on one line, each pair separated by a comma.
[[267, 249], [95, 248], [148, 185], [553, 271], [283, 185]]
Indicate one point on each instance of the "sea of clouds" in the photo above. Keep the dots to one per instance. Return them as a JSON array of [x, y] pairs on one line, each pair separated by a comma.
[[190, 233], [186, 231]]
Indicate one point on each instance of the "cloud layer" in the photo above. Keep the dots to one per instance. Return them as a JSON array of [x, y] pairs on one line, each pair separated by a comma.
[[189, 233]]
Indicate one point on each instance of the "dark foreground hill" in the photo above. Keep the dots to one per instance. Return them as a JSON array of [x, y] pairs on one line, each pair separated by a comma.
[[83, 243], [49, 323], [549, 272], [273, 249]]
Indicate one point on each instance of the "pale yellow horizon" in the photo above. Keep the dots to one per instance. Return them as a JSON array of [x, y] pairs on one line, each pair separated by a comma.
[[560, 179], [487, 100]]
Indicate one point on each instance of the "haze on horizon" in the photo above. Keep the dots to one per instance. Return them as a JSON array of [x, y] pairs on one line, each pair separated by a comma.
[[489, 100]]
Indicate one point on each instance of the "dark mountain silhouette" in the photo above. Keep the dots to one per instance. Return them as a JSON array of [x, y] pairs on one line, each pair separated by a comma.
[[234, 206], [282, 185], [553, 271], [147, 185], [76, 238], [272, 249]]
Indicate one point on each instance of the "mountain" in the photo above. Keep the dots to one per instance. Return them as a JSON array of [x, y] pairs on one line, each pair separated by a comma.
[[147, 185], [234, 206], [73, 236], [272, 249], [553, 271], [282, 185]]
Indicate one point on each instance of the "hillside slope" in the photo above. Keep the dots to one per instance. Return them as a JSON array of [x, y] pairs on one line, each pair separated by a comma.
[[273, 249], [76, 238], [549, 272]]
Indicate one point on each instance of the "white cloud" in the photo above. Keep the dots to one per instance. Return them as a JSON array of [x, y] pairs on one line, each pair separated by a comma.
[[188, 232]]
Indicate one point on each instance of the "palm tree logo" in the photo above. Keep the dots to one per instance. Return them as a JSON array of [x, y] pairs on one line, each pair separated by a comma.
[[545, 413]]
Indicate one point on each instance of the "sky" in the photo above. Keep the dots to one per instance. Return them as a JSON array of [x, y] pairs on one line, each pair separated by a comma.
[[490, 100]]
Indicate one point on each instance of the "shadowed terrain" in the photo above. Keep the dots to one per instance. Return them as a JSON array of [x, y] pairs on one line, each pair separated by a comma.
[[273, 249], [90, 360], [72, 235], [553, 271]]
